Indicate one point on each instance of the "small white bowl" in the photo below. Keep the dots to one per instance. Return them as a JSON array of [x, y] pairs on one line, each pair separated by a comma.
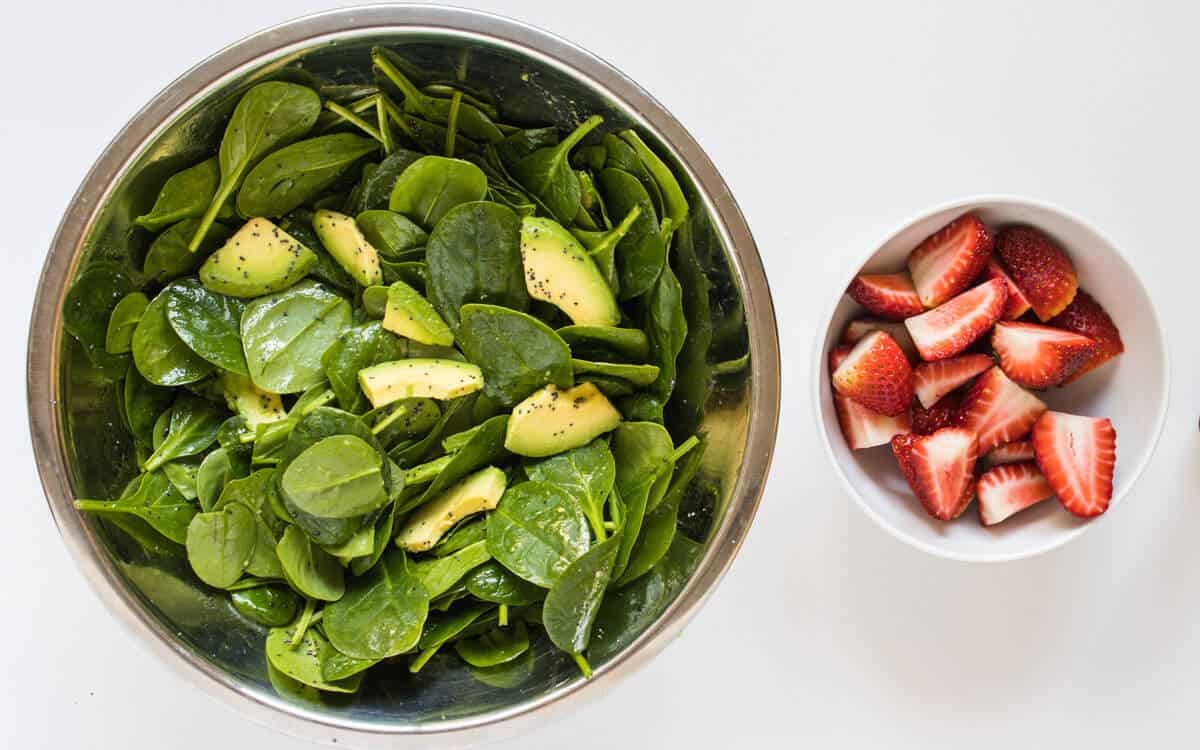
[[1131, 390]]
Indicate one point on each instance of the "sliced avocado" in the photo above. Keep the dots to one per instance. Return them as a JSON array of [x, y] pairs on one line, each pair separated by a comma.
[[551, 421], [254, 405], [419, 378], [479, 492], [260, 258], [410, 315], [559, 271], [346, 243]]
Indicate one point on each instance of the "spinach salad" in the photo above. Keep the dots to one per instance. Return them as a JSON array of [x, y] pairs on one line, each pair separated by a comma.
[[399, 377]]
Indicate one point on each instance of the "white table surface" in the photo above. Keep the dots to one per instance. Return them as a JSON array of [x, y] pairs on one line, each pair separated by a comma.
[[832, 123]]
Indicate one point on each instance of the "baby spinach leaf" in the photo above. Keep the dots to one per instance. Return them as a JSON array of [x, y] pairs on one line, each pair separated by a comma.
[[517, 352], [216, 471], [509, 675], [518, 145], [304, 660], [181, 473], [667, 326], [586, 340], [442, 628], [382, 613], [537, 531], [90, 302], [626, 612], [439, 574], [685, 409], [546, 173], [640, 375], [432, 185], [573, 602], [587, 473], [473, 121], [497, 646], [338, 667], [295, 174], [492, 582], [118, 339], [220, 543], [169, 257], [376, 187], [602, 246], [392, 234], [358, 348], [640, 450], [641, 253], [154, 500], [185, 195], [621, 155], [144, 402], [270, 605], [208, 322], [337, 477], [193, 428], [474, 255], [269, 115], [285, 335], [160, 355], [309, 569], [485, 447], [675, 204]]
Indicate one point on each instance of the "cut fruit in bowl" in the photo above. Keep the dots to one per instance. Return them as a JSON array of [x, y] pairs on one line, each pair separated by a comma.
[[1051, 340]]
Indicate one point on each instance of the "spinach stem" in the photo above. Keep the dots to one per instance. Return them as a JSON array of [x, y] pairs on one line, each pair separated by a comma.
[[582, 663], [385, 129], [395, 115], [423, 658], [306, 618], [503, 615], [731, 366], [452, 121], [683, 449], [354, 120], [412, 95], [427, 471], [610, 525], [321, 400], [578, 134]]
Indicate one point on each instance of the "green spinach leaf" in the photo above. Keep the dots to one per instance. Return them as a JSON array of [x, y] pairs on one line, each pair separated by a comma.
[[118, 339], [161, 356], [185, 195], [587, 473], [285, 335], [474, 255], [537, 531], [309, 569], [574, 601], [193, 428], [546, 173], [220, 544], [208, 322], [169, 257], [497, 646], [433, 185], [295, 174], [382, 613], [338, 477], [517, 352]]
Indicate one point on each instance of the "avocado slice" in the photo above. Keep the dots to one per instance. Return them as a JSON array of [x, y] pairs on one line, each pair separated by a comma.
[[419, 378], [559, 271], [346, 243], [410, 315], [260, 258], [552, 421], [255, 405], [479, 492]]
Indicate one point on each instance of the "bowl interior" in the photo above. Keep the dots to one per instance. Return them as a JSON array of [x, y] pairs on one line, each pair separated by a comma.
[[199, 623], [1131, 390]]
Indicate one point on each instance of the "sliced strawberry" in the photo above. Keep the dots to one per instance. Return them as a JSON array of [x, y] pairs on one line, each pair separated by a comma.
[[888, 295], [1010, 453], [1017, 305], [862, 427], [877, 375], [949, 259], [894, 328], [1086, 317], [1077, 455], [932, 380], [949, 329], [1037, 356], [1040, 269], [940, 468], [1007, 489], [999, 410], [942, 414]]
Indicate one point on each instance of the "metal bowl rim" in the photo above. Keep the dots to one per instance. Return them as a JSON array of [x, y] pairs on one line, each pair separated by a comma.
[[46, 329]]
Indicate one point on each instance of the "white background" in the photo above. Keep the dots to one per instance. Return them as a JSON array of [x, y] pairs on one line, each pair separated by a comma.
[[832, 122]]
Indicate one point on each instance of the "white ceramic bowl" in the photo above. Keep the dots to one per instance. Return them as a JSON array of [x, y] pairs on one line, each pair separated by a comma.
[[1132, 390]]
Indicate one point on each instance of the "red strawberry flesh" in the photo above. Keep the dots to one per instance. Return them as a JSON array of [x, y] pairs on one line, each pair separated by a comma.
[[1086, 317], [949, 329], [942, 414], [877, 375], [1039, 267], [998, 410], [856, 329], [1010, 453], [1038, 356], [1010, 488], [933, 380], [891, 296], [940, 469], [862, 427], [947, 261], [1017, 305], [1077, 455]]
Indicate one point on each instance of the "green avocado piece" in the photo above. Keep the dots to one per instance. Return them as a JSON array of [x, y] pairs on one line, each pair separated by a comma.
[[552, 421], [260, 258], [253, 404], [346, 243], [410, 315], [560, 271], [479, 492], [419, 378]]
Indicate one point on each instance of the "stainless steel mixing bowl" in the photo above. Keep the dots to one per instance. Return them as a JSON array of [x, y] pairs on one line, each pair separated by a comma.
[[79, 442]]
